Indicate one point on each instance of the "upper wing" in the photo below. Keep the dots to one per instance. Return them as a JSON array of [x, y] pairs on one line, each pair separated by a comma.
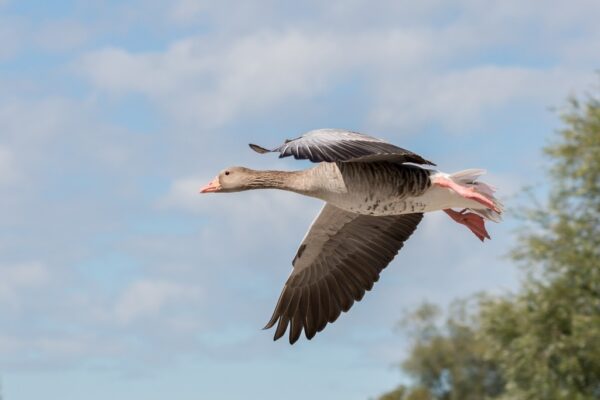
[[332, 145], [339, 259]]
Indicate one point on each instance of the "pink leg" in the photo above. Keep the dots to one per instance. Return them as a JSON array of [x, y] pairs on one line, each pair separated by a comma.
[[472, 221], [466, 192]]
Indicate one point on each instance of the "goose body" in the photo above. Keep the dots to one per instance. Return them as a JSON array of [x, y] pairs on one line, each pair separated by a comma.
[[381, 188], [374, 201]]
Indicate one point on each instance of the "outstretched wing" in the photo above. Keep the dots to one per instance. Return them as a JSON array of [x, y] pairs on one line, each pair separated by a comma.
[[339, 259], [330, 145]]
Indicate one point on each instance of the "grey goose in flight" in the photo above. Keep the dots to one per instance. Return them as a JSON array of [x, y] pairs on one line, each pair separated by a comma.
[[375, 195]]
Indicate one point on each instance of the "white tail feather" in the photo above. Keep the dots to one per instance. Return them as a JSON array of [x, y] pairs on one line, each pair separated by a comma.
[[468, 178], [467, 175]]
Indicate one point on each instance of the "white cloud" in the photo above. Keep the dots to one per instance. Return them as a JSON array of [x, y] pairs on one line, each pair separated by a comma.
[[61, 35], [8, 168], [211, 83], [148, 298], [18, 280], [187, 10], [460, 99], [183, 194], [18, 33], [12, 35], [196, 79], [23, 275], [34, 121]]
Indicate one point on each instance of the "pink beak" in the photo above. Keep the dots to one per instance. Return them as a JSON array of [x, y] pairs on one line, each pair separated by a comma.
[[212, 186]]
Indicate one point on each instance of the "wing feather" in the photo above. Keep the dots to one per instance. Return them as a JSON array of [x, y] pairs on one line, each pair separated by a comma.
[[329, 274], [338, 145]]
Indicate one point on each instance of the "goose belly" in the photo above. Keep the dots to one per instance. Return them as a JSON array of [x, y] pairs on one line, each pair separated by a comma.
[[379, 206]]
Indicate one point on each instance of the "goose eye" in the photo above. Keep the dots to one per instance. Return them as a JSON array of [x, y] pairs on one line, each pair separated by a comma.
[[226, 172]]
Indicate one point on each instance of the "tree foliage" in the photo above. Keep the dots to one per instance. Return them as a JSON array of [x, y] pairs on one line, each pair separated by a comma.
[[544, 341], [447, 361], [547, 337]]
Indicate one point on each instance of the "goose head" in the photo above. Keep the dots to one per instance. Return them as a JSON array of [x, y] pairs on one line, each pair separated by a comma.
[[233, 179]]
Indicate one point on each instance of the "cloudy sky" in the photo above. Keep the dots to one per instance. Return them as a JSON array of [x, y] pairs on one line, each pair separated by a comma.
[[117, 280]]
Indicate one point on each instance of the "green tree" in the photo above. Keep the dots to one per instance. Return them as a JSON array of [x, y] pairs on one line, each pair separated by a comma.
[[547, 337], [447, 361], [544, 341]]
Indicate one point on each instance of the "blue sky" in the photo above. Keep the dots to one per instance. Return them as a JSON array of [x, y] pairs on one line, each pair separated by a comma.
[[119, 281]]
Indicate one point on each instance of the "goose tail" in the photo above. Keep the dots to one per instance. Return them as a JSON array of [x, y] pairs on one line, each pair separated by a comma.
[[469, 178]]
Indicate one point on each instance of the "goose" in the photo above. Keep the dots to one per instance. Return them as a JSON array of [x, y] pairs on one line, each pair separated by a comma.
[[375, 195]]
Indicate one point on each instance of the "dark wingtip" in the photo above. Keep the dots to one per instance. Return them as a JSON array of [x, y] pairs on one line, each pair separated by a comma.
[[271, 323], [281, 328], [258, 149], [426, 162]]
